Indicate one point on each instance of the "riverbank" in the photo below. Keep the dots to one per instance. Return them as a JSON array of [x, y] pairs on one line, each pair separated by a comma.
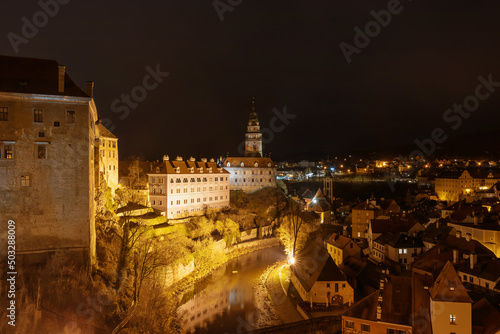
[[180, 288], [279, 288]]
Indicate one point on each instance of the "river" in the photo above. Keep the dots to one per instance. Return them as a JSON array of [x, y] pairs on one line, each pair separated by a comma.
[[225, 301]]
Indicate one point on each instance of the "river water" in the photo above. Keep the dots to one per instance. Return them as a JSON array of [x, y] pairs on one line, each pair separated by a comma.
[[225, 301]]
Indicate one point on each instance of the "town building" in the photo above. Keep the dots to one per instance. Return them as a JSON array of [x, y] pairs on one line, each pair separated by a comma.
[[341, 247], [47, 174], [480, 271], [320, 206], [371, 209], [394, 223], [253, 171], [487, 234], [183, 188], [455, 185], [107, 155], [325, 285], [417, 304]]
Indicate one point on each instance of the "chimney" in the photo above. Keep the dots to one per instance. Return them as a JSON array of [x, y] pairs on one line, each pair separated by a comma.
[[473, 260], [467, 236], [90, 88], [60, 78], [455, 256]]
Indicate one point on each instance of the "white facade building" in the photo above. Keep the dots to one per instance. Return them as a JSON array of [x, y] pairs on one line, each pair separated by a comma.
[[187, 188]]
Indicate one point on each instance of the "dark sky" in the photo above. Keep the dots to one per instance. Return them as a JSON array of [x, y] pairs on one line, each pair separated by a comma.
[[283, 52]]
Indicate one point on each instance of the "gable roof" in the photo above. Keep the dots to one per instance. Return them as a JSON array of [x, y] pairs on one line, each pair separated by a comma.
[[396, 303], [448, 287], [485, 318], [34, 76], [104, 132], [339, 240]]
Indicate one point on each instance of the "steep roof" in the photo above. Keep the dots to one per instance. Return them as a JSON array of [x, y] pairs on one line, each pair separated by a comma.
[[396, 224], [485, 318], [396, 303], [339, 241], [103, 132], [34, 76], [448, 287], [326, 269]]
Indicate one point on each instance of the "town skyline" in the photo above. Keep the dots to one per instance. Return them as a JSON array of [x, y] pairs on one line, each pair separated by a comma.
[[397, 88]]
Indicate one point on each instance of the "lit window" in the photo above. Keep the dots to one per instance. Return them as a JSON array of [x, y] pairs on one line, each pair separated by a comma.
[[349, 324], [25, 181], [7, 152], [453, 319]]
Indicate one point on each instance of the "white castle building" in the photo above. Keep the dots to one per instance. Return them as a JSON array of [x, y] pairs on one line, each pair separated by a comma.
[[187, 188]]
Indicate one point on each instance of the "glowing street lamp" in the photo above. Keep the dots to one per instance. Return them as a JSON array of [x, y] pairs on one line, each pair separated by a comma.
[[291, 260]]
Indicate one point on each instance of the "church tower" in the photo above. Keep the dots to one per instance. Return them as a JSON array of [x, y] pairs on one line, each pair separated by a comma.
[[253, 137]]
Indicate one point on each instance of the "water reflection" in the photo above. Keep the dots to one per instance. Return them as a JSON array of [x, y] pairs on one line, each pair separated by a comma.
[[225, 301]]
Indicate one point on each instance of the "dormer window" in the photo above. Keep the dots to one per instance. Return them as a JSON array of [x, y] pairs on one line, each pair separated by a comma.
[[210, 169], [242, 164], [268, 164], [157, 169], [177, 169], [255, 164], [228, 164], [191, 169]]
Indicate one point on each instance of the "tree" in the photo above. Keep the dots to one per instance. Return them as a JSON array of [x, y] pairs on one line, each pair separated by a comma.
[[293, 231], [229, 229]]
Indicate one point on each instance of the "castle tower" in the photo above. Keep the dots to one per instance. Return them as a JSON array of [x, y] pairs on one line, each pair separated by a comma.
[[253, 137]]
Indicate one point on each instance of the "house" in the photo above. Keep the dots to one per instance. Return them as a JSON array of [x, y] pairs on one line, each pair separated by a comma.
[[454, 249], [47, 158], [362, 214], [387, 310], [106, 150], [450, 305], [395, 223], [480, 271], [319, 280], [420, 304], [320, 205], [183, 188], [487, 234], [341, 247]]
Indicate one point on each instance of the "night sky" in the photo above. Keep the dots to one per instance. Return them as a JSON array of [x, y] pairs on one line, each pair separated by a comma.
[[285, 53]]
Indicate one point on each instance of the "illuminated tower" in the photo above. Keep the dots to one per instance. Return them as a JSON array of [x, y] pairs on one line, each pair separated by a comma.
[[253, 137]]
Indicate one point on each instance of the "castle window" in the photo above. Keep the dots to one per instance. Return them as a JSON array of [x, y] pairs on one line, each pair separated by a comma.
[[114, 144], [7, 151], [42, 152], [38, 115], [4, 114], [25, 181], [57, 124], [70, 116]]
